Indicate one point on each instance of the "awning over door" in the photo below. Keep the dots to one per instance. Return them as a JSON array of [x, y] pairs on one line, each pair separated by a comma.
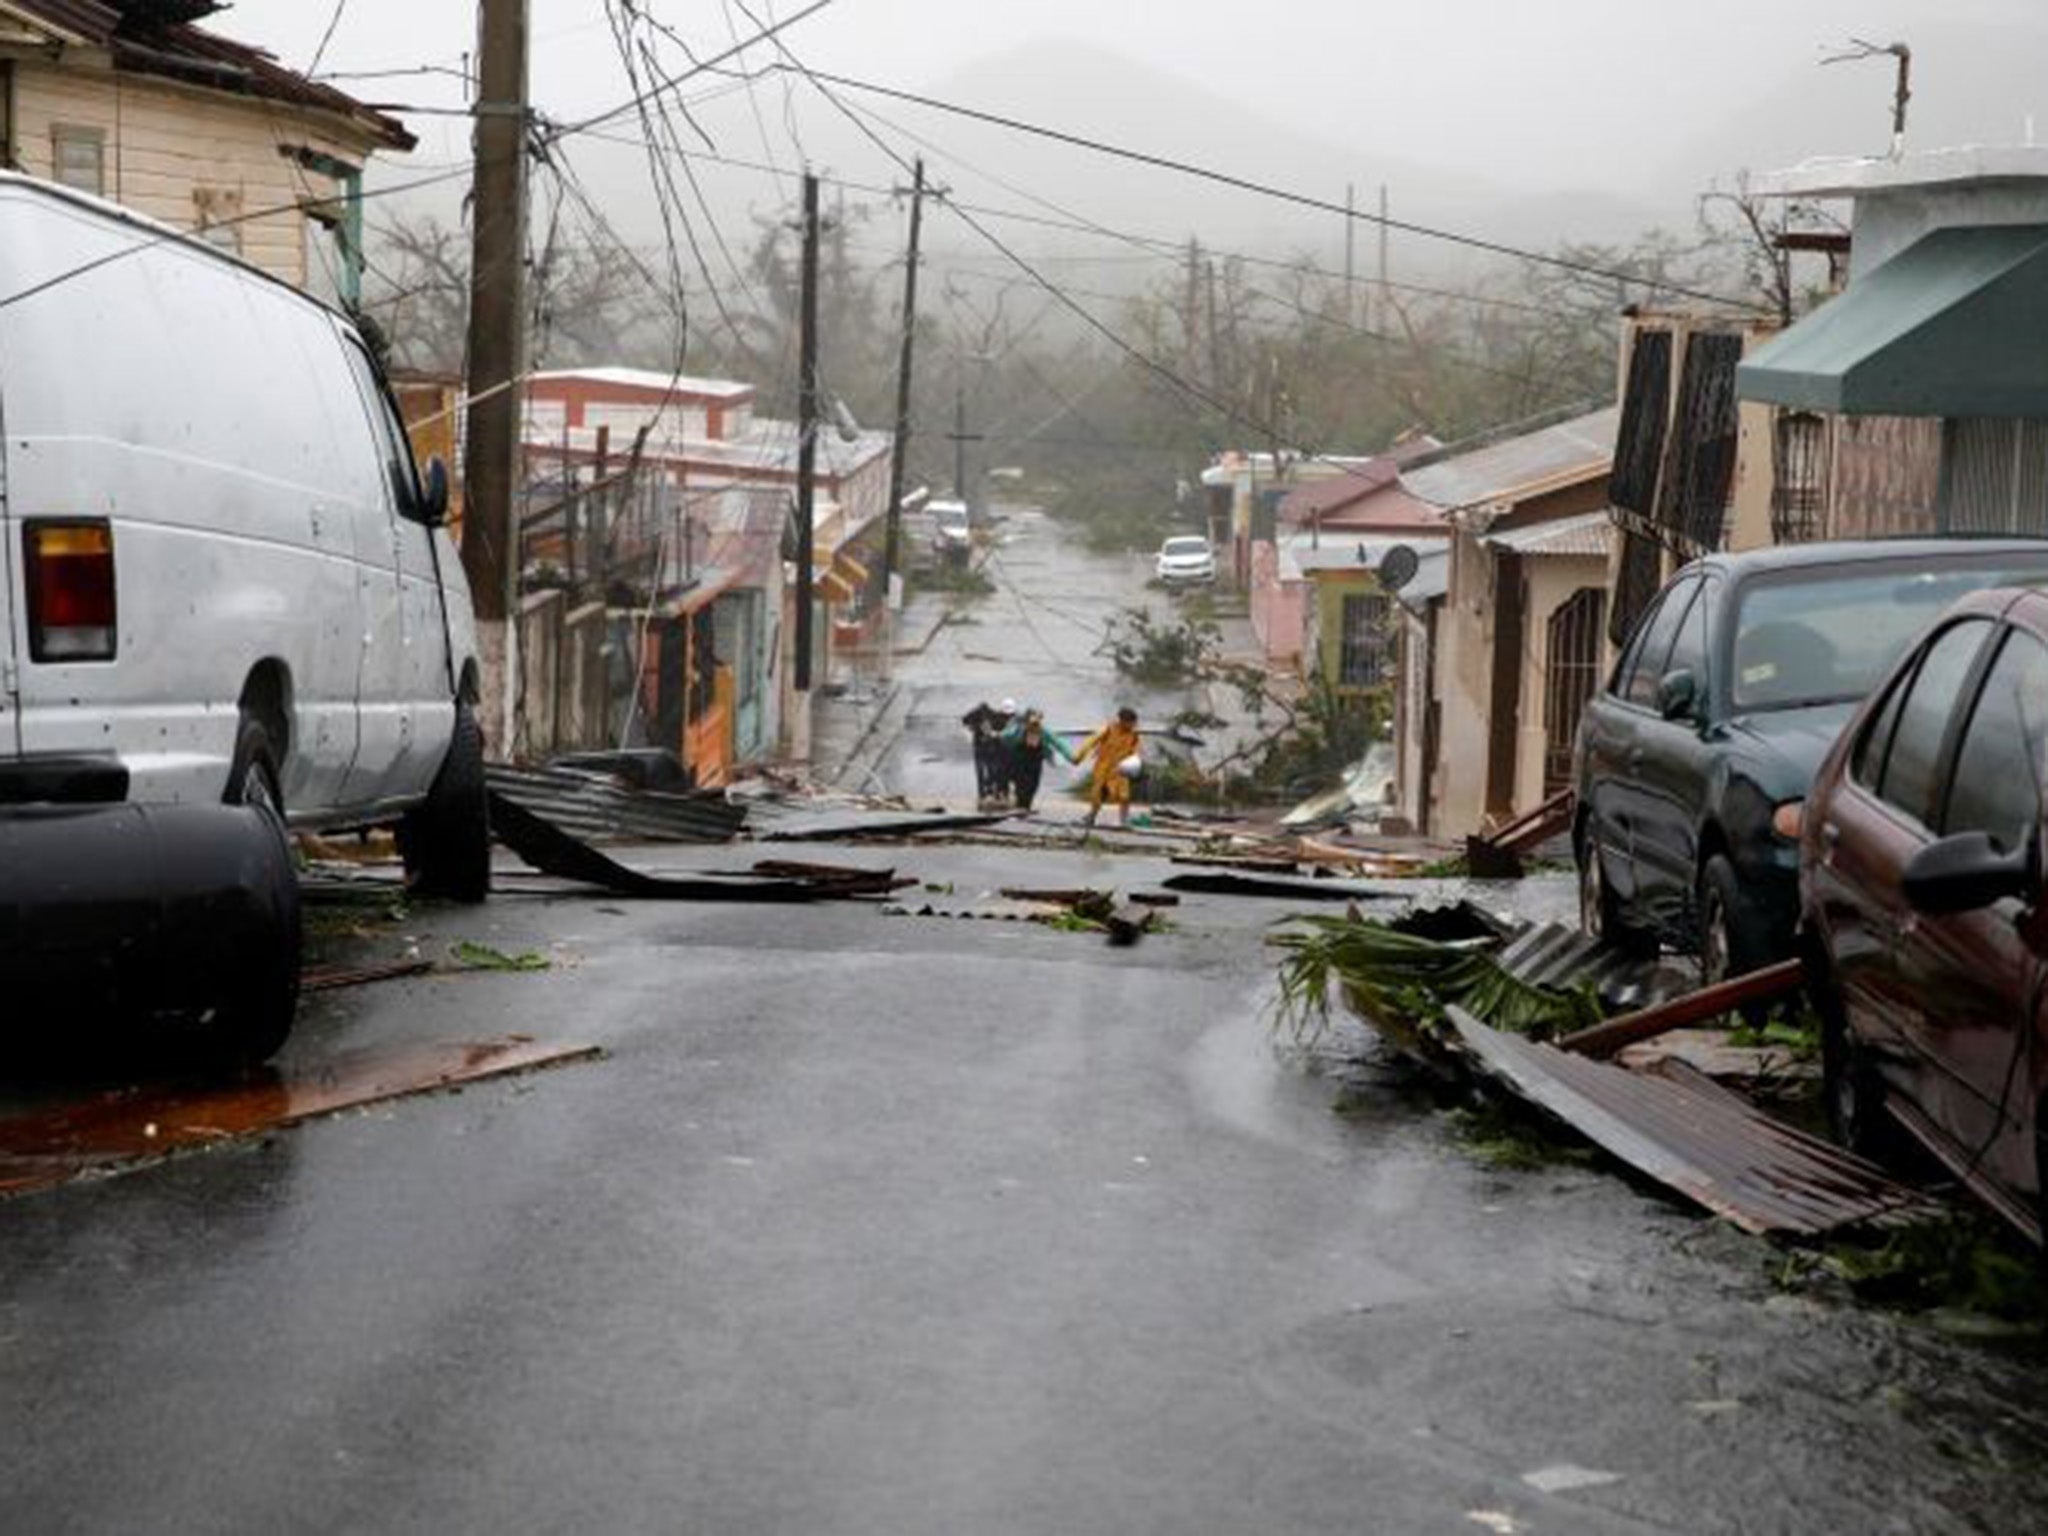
[[1951, 326]]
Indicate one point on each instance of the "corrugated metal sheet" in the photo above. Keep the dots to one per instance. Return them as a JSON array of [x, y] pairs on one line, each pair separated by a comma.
[[1587, 534], [1710, 1146], [598, 805], [1492, 473]]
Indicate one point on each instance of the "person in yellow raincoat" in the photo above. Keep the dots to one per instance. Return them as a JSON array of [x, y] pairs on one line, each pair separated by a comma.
[[1111, 747]]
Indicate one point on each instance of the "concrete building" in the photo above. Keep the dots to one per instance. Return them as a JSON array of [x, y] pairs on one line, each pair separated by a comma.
[[1514, 650], [1917, 400], [128, 100], [686, 497]]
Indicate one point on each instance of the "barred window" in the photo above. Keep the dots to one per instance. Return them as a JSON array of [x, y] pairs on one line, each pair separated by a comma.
[[1362, 651]]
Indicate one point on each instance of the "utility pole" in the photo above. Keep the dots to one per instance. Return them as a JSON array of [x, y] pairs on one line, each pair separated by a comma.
[[1350, 246], [1386, 299], [806, 466], [497, 323], [899, 462], [960, 433], [1190, 324]]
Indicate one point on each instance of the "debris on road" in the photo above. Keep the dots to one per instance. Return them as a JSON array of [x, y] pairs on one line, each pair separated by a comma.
[[332, 978], [1566, 1478], [846, 881], [1767, 985], [125, 1128], [1403, 984], [553, 851], [1710, 1145], [854, 825], [1221, 883], [486, 957], [1499, 854], [594, 803]]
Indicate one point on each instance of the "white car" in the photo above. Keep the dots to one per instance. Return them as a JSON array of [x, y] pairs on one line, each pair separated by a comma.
[[1186, 561], [952, 529], [221, 576]]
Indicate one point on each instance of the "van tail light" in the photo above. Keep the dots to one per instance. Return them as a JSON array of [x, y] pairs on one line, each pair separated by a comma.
[[70, 570]]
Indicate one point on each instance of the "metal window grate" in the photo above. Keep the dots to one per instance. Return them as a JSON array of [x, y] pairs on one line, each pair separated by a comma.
[[1642, 570], [1801, 469], [1994, 476], [1692, 502], [1571, 674], [1363, 646], [1639, 443]]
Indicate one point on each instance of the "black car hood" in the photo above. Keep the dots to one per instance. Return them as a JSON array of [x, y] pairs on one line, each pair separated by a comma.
[[1782, 748]]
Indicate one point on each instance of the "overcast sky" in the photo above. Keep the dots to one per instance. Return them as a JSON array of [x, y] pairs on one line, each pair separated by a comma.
[[1628, 98]]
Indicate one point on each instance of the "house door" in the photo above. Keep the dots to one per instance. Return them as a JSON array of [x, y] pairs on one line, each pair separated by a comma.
[[670, 685], [1571, 673], [1510, 646]]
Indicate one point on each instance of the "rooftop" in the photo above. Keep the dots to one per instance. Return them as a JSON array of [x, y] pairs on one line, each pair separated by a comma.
[[1520, 466], [1837, 176], [650, 380], [156, 37]]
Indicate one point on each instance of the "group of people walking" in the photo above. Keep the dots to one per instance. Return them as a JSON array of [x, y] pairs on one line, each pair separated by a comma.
[[1013, 745]]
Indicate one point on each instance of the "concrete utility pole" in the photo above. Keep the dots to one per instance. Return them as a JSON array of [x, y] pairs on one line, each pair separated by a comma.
[[806, 465], [497, 316], [899, 460]]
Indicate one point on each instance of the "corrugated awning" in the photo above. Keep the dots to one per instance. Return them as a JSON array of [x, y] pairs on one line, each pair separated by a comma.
[[1584, 535], [833, 587], [1951, 326], [849, 570]]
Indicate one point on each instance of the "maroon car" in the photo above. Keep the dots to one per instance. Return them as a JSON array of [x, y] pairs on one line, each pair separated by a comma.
[[1924, 931]]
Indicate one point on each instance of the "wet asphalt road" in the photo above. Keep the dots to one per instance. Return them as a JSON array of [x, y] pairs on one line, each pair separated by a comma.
[[892, 1224]]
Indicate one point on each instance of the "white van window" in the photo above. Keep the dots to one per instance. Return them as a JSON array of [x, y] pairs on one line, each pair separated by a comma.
[[392, 443]]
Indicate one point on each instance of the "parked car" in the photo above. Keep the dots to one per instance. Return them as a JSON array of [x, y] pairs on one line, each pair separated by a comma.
[[1186, 561], [952, 531], [1924, 928], [221, 576], [1693, 761]]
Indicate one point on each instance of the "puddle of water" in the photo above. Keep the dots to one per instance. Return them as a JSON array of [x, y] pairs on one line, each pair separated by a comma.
[[129, 1127]]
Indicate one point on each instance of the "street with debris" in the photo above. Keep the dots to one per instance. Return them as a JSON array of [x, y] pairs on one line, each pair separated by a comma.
[[861, 1221]]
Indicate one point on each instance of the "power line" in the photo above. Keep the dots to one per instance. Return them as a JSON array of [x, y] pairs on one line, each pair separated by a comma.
[[1259, 188], [326, 37]]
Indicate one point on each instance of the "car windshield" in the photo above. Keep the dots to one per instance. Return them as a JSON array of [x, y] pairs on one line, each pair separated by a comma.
[[1185, 547], [952, 517], [1826, 636]]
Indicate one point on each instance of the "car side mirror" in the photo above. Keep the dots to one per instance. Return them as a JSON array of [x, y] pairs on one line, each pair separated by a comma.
[[1676, 694], [1966, 872], [433, 508]]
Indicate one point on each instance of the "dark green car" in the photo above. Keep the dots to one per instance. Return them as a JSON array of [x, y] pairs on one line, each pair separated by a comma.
[[1694, 761]]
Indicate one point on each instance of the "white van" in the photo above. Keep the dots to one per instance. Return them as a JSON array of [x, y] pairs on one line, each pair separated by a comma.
[[221, 577]]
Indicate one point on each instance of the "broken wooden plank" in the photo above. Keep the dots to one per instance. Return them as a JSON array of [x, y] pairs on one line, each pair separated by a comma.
[[330, 978], [126, 1128], [1766, 985]]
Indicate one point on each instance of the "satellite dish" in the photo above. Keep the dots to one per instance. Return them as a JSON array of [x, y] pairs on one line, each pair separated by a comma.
[[1398, 566]]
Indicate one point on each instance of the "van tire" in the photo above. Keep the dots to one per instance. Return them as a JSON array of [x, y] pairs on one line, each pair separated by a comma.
[[252, 774], [446, 841]]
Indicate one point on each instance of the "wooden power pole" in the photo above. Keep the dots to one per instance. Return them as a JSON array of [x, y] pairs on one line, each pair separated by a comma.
[[899, 460], [497, 316], [806, 455]]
